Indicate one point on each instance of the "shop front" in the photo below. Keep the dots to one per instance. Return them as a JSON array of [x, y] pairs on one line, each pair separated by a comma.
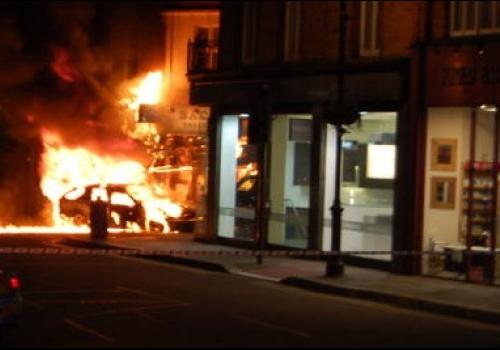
[[272, 183], [461, 211]]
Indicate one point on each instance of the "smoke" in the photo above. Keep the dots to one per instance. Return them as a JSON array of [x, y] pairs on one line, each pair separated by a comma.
[[58, 72]]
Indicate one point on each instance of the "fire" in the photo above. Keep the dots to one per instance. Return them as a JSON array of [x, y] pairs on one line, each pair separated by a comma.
[[61, 65], [64, 168], [67, 171], [148, 92]]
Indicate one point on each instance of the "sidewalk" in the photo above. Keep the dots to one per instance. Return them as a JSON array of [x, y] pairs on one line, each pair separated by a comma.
[[454, 298]]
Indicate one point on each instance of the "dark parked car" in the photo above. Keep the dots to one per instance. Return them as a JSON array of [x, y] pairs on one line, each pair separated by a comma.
[[123, 209], [10, 297]]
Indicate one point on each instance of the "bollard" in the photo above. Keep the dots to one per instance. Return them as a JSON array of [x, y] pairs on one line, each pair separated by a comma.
[[98, 219]]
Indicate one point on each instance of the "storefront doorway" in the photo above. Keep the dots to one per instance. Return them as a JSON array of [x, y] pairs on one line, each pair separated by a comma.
[[367, 180]]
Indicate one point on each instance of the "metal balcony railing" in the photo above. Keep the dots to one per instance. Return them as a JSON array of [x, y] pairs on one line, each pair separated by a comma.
[[202, 56]]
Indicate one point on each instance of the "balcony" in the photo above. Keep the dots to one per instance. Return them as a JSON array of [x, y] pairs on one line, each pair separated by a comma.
[[202, 56]]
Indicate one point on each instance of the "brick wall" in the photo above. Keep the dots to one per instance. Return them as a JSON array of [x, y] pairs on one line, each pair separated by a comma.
[[319, 30], [439, 23], [401, 26]]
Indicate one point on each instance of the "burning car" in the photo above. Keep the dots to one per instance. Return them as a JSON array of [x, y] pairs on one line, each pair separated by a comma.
[[10, 297], [124, 209]]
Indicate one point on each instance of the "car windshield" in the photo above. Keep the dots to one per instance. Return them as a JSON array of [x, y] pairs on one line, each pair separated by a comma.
[[75, 194]]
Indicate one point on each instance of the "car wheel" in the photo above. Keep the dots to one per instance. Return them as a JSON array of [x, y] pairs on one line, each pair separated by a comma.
[[155, 227], [80, 219]]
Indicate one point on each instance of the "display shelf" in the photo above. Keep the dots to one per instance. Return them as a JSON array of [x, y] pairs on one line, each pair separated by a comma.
[[478, 197]]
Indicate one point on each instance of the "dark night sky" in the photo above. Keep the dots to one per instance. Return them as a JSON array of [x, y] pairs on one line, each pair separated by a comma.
[[95, 41]]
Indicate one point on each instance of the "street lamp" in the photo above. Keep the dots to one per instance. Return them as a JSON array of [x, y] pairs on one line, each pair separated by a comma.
[[339, 114]]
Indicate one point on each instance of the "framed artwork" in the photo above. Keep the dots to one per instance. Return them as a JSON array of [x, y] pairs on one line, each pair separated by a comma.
[[444, 154], [443, 192]]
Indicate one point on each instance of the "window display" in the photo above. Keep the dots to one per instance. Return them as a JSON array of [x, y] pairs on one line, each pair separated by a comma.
[[367, 193]]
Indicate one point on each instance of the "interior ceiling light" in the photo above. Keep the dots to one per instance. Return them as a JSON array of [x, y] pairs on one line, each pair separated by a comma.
[[488, 108]]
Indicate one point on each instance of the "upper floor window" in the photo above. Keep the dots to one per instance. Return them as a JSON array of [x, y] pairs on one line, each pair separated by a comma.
[[203, 50], [249, 32], [292, 30], [369, 38], [474, 17]]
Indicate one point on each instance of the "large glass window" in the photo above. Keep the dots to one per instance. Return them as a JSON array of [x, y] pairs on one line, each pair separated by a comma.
[[238, 180], [367, 192], [290, 180], [461, 210]]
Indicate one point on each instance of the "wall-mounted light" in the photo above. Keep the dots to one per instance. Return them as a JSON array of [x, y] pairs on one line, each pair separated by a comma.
[[244, 115]]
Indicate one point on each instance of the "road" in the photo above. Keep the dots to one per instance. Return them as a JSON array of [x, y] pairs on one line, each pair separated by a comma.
[[118, 301]]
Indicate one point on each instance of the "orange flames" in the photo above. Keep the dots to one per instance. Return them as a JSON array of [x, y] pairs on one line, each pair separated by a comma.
[[65, 168], [147, 92]]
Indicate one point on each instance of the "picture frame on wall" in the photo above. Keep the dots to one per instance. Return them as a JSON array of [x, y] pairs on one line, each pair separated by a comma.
[[443, 192], [444, 155]]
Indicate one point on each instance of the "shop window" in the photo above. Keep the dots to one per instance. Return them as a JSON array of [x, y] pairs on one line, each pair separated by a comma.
[[474, 17], [367, 187], [249, 32], [238, 182], [462, 212], [292, 30], [369, 36], [290, 180]]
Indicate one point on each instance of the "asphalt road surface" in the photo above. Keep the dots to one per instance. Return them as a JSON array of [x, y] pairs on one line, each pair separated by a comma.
[[117, 301]]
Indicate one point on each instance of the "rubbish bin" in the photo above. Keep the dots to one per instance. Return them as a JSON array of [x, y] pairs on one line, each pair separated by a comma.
[[98, 219]]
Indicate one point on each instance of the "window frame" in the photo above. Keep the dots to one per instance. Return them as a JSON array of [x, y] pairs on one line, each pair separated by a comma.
[[292, 30], [249, 24], [476, 30], [374, 45]]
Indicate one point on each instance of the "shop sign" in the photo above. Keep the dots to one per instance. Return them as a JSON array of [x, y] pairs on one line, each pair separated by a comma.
[[463, 76], [183, 120], [189, 119]]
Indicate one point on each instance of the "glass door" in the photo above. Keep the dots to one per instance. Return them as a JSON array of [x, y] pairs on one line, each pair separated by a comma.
[[290, 180], [367, 184], [238, 180]]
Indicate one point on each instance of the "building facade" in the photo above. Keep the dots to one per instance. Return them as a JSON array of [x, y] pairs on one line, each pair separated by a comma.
[[461, 214], [423, 77]]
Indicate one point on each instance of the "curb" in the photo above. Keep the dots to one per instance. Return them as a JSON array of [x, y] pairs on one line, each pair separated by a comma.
[[307, 284], [162, 258], [402, 301]]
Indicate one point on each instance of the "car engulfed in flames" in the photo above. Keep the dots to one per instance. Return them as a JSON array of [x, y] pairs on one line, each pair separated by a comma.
[[117, 167], [125, 210], [74, 177]]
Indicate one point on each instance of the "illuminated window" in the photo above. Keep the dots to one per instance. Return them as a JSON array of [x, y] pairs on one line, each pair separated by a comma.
[[474, 17], [381, 161]]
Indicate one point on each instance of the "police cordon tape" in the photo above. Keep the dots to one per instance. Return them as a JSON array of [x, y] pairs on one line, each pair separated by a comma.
[[228, 252]]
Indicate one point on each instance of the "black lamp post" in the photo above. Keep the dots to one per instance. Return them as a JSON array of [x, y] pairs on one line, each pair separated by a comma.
[[339, 114]]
